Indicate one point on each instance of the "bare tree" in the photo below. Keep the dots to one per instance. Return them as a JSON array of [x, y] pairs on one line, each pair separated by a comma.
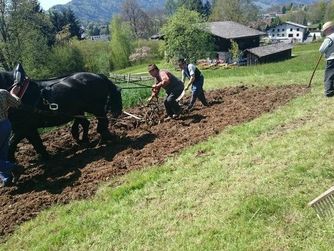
[[139, 21]]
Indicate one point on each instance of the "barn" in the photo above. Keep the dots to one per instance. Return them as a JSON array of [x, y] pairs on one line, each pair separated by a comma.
[[224, 32], [268, 53]]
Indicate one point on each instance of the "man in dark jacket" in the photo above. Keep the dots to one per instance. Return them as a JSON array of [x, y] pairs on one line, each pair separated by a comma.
[[196, 80]]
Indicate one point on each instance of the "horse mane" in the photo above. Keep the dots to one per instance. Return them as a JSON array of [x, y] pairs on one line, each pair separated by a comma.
[[54, 78]]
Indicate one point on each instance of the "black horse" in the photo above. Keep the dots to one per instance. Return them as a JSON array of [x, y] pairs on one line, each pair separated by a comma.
[[48, 103]]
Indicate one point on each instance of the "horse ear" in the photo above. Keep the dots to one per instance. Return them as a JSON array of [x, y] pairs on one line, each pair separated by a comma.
[[17, 77]]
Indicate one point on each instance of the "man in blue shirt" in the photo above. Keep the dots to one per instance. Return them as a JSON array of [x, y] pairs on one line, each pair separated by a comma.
[[196, 80]]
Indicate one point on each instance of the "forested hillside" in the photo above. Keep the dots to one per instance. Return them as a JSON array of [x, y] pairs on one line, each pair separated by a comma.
[[103, 10]]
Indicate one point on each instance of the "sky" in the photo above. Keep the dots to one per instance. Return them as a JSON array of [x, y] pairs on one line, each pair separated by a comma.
[[46, 4]]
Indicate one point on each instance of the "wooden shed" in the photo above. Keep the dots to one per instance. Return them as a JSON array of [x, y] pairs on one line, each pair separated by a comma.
[[268, 53], [224, 32]]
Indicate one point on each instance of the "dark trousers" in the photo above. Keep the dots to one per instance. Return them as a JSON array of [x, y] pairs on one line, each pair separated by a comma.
[[329, 79], [198, 93], [6, 167], [171, 105]]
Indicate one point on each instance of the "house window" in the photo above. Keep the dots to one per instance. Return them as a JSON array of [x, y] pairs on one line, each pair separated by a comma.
[[297, 29], [273, 35], [290, 35], [297, 34], [273, 30], [282, 29], [291, 29], [282, 35], [278, 30]]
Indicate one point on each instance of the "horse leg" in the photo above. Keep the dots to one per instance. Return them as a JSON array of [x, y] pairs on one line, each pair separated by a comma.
[[35, 139], [75, 130], [13, 141], [85, 127], [102, 129]]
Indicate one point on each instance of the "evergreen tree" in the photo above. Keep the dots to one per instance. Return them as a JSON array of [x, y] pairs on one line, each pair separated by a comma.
[[171, 7], [73, 22], [207, 10], [66, 18]]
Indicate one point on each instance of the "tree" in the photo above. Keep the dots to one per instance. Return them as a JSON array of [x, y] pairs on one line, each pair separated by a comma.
[[207, 10], [283, 10], [139, 21], [120, 43], [297, 16], [66, 18], [329, 15], [241, 11], [235, 52], [186, 36], [25, 34], [195, 5], [317, 11], [170, 7]]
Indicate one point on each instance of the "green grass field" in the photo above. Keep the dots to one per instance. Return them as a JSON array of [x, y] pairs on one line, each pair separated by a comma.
[[248, 191]]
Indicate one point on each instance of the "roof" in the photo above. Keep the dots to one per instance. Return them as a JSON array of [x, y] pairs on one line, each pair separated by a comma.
[[232, 30], [295, 24], [266, 50]]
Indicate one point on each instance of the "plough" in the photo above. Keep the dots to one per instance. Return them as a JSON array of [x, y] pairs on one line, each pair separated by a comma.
[[152, 113]]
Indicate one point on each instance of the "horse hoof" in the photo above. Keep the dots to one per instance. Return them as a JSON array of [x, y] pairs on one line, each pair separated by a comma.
[[44, 157], [83, 142], [109, 138]]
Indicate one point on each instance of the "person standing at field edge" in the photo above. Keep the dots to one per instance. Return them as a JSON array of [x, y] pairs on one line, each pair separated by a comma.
[[196, 80], [9, 172], [173, 87], [327, 48]]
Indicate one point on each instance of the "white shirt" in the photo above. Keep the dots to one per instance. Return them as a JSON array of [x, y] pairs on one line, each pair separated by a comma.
[[191, 69], [327, 47]]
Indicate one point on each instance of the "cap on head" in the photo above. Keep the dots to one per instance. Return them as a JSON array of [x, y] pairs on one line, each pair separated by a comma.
[[327, 25], [152, 67]]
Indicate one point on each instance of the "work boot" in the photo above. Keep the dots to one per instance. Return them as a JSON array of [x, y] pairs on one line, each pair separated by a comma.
[[6, 183]]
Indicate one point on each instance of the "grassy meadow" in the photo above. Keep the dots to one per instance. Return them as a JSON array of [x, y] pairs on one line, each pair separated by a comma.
[[248, 189]]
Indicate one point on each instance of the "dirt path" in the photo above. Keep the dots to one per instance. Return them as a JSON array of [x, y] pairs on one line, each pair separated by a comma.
[[74, 171]]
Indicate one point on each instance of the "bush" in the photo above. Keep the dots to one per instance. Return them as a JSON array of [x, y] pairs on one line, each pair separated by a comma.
[[63, 60], [96, 55]]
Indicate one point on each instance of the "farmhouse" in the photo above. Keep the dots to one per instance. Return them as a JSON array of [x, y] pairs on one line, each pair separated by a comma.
[[268, 53], [288, 32]]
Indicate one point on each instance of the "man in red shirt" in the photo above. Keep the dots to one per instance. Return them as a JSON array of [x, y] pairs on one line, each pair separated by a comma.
[[172, 85]]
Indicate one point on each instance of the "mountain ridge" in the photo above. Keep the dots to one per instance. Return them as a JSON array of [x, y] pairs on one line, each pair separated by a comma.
[[103, 10]]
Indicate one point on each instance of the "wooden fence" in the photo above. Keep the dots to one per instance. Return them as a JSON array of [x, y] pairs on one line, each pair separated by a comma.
[[132, 81]]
